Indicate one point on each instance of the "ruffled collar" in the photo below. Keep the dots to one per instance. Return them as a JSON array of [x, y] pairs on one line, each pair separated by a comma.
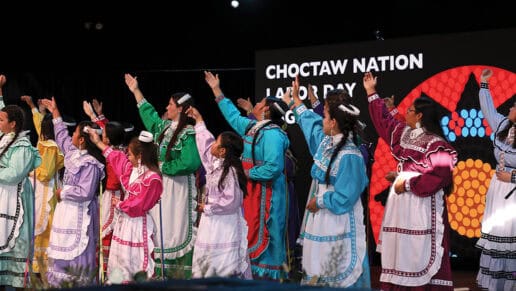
[[414, 133], [337, 138], [217, 163], [259, 124], [6, 139]]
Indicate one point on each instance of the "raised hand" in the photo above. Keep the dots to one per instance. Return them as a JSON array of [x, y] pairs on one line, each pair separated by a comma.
[[97, 106], [94, 136], [194, 113], [131, 82], [295, 91], [389, 101], [286, 97], [245, 104], [486, 74], [88, 109], [311, 94], [3, 80], [51, 105], [27, 99], [369, 82], [212, 80]]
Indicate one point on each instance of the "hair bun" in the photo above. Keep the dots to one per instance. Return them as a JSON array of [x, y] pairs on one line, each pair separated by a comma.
[[145, 136]]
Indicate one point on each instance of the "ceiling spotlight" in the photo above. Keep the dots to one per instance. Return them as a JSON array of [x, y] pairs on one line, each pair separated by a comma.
[[235, 4], [99, 26]]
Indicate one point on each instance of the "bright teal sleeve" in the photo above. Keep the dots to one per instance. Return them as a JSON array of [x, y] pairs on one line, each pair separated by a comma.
[[273, 145], [350, 182], [232, 115], [311, 125]]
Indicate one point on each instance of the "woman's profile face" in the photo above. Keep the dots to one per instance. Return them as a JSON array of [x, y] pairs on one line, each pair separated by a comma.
[[173, 110], [412, 117], [512, 113], [6, 126]]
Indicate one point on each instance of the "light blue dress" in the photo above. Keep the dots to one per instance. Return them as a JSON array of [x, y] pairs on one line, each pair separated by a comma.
[[334, 237]]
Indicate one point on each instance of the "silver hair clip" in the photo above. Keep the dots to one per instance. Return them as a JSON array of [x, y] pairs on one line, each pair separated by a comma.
[[351, 109], [87, 130], [145, 136], [277, 106], [183, 99], [129, 129]]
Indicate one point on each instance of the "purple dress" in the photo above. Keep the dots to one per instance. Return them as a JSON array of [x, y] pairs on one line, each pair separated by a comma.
[[75, 228]]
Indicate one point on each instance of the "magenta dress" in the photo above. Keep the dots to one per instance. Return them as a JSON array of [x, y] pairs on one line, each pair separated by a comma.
[[415, 232], [133, 228]]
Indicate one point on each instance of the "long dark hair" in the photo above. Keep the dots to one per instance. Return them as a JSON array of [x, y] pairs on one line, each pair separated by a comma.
[[14, 113], [346, 122], [430, 118], [275, 116], [234, 147], [149, 151], [90, 146], [115, 133], [430, 121], [184, 120], [47, 128], [502, 135]]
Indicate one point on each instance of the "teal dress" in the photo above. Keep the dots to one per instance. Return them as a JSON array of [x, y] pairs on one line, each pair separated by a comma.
[[266, 204], [16, 208]]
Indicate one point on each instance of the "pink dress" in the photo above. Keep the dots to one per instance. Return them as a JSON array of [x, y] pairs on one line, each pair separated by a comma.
[[133, 228]]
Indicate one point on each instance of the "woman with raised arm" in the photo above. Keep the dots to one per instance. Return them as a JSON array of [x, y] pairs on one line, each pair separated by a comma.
[[265, 206], [75, 228], [221, 245], [179, 160], [333, 232], [113, 135], [414, 239], [133, 227], [17, 159], [498, 239], [47, 181]]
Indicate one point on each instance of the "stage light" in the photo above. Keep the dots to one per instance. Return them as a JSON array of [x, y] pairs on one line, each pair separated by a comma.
[[235, 4]]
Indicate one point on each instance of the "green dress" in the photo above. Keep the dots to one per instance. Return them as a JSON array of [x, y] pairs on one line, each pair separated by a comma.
[[178, 200]]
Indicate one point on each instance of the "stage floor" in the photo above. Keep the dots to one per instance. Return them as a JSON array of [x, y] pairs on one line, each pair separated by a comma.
[[462, 279]]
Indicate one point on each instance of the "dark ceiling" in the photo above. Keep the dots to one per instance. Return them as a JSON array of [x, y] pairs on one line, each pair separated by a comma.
[[194, 34]]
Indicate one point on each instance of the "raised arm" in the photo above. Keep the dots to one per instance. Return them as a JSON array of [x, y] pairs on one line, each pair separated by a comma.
[[231, 113], [486, 100], [309, 122], [37, 117], [245, 104], [62, 138], [132, 84], [3, 80], [203, 138], [383, 121]]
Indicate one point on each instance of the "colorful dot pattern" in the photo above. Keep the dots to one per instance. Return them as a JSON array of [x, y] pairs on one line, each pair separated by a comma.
[[468, 199], [467, 202]]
